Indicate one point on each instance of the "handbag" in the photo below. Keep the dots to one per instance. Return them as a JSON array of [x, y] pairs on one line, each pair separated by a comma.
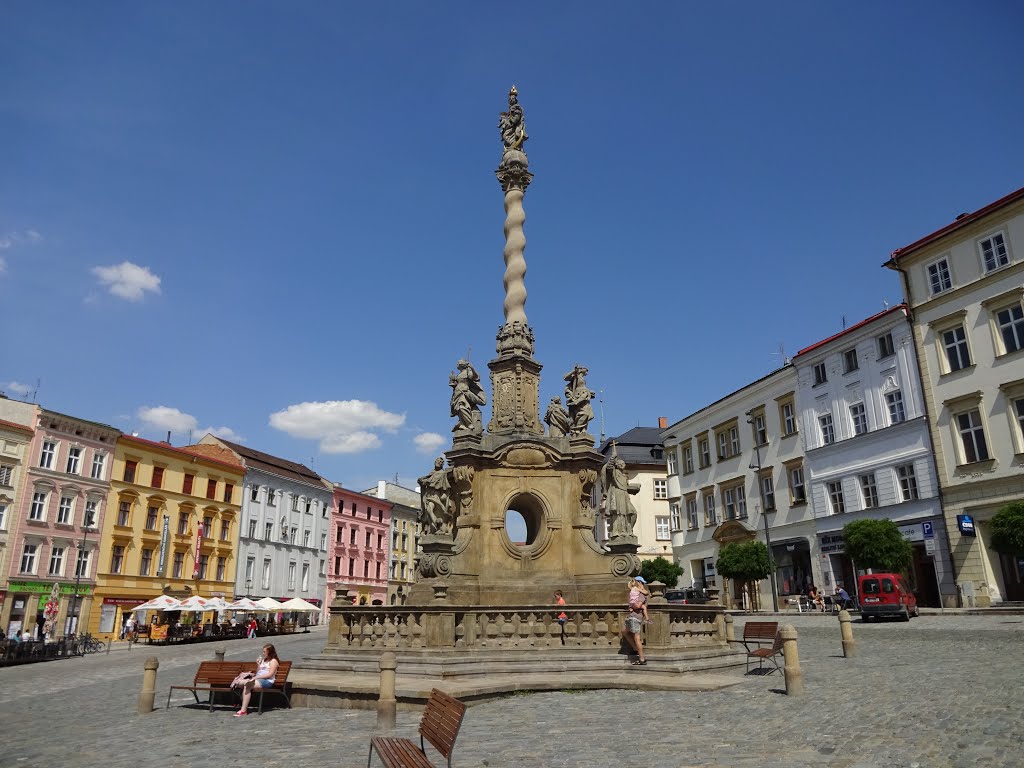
[[242, 678]]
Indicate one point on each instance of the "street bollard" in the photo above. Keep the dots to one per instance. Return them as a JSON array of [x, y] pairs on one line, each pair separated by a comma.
[[148, 685], [791, 665], [730, 628], [846, 632], [218, 654], [387, 704]]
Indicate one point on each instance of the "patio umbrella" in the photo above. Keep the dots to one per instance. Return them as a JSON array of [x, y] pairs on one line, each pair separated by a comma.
[[243, 604], [298, 604], [216, 604], [159, 603], [268, 604], [194, 603]]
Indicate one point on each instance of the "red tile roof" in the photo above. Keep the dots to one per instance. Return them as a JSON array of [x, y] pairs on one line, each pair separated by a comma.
[[851, 329], [13, 425], [227, 460]]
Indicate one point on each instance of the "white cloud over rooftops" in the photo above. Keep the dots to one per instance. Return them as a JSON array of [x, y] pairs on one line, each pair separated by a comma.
[[428, 442], [127, 280], [18, 388], [340, 426], [164, 418]]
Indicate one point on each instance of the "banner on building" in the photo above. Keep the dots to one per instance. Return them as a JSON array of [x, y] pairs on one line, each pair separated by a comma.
[[164, 536], [199, 546]]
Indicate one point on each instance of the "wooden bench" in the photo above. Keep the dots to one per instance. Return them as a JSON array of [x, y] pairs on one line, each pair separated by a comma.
[[215, 677], [763, 642], [440, 725]]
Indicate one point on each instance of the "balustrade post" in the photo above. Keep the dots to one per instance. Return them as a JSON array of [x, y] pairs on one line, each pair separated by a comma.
[[730, 628], [439, 629]]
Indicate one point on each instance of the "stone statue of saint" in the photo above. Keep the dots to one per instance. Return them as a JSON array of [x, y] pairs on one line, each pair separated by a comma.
[[512, 124], [557, 419], [618, 507], [467, 397], [577, 397], [435, 497]]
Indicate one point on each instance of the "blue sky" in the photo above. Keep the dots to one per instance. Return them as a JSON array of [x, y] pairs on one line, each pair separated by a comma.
[[280, 220]]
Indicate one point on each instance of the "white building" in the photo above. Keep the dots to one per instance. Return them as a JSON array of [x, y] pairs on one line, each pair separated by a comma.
[[286, 511], [868, 453], [963, 285], [730, 464]]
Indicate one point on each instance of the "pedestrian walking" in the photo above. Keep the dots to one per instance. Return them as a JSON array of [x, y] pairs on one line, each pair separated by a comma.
[[636, 618], [562, 617]]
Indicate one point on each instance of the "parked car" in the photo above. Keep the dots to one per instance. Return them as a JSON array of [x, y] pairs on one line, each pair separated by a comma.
[[886, 594], [687, 596]]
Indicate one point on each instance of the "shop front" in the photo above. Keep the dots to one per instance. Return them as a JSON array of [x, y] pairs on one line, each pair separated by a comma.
[[793, 574], [114, 613], [25, 606]]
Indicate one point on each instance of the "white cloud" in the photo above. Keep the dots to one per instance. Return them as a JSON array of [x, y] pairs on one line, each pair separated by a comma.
[[25, 237], [163, 418], [226, 432], [428, 442], [18, 388], [127, 280], [341, 426]]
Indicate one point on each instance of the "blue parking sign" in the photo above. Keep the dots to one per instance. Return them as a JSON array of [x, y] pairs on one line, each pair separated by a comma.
[[928, 530]]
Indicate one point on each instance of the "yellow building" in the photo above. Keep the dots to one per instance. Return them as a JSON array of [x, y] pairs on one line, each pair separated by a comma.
[[171, 524]]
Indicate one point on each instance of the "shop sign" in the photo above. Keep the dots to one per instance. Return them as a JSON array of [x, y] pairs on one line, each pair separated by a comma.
[[831, 543], [43, 587], [913, 532], [929, 546], [129, 601], [966, 525]]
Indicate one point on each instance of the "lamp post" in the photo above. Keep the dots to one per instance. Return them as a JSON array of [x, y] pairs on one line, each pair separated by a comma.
[[86, 525], [764, 516], [248, 587]]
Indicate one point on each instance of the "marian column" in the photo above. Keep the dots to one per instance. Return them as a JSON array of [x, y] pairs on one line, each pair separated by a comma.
[[515, 375]]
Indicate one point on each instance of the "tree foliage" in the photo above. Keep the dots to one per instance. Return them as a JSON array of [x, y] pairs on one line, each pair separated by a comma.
[[878, 545], [744, 561], [1008, 529], [660, 569]]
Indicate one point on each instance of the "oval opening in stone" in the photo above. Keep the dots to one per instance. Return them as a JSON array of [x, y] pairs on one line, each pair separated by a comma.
[[523, 520]]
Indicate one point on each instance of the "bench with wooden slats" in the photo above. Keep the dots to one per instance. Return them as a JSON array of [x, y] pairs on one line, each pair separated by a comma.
[[439, 725], [763, 642], [215, 677], [280, 681]]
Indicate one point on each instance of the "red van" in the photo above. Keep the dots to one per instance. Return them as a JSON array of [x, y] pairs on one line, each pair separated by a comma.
[[885, 594]]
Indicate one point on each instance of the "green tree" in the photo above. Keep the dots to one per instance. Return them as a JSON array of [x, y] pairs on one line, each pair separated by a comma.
[[747, 562], [660, 569], [878, 545], [1008, 529]]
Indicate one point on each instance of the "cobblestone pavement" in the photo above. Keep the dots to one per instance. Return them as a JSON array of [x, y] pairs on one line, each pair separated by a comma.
[[939, 691]]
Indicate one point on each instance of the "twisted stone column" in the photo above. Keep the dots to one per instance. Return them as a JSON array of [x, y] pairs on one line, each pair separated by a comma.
[[515, 262]]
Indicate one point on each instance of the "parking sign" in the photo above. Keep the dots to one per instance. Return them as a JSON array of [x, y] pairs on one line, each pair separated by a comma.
[[928, 529]]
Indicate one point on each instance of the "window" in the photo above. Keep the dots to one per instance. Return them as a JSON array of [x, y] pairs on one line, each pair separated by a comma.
[[211, 489], [366, 569], [145, 562], [788, 412], [56, 561], [339, 534], [688, 460], [129, 471], [709, 508], [250, 568], [835, 497], [859, 417], [828, 433], [760, 430], [65, 510], [820, 375], [6, 473], [99, 461], [158, 477], [337, 566], [305, 539], [116, 558], [151, 513], [896, 411], [728, 441], [377, 569], [254, 493], [797, 489], [323, 568], [309, 507], [204, 564], [268, 531], [28, 558], [38, 509], [187, 483], [741, 502], [369, 513], [705, 452], [723, 445], [352, 538], [661, 528], [293, 535], [972, 435], [1011, 328], [355, 509], [768, 491], [182, 523], [938, 276], [677, 518], [222, 564], [351, 566], [671, 462], [252, 529], [207, 527], [380, 541], [850, 363], [908, 481], [225, 529], [660, 488], [955, 342], [82, 564], [90, 514], [229, 491], [885, 346], [271, 498], [691, 513], [734, 441], [47, 454], [266, 573], [1018, 404], [305, 577], [3, 516], [74, 460], [295, 503], [993, 252], [124, 510], [869, 490], [729, 502]]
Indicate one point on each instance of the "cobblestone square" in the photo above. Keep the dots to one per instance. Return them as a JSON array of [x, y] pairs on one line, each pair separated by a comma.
[[939, 691]]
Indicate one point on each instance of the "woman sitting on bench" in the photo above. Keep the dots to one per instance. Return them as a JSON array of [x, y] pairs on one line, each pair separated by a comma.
[[266, 669]]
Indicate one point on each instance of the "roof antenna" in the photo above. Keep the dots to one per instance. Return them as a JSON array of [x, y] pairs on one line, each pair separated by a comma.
[[844, 322], [35, 391], [600, 401], [782, 354]]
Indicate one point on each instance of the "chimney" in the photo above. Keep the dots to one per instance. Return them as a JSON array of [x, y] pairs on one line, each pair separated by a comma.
[[382, 489], [662, 422]]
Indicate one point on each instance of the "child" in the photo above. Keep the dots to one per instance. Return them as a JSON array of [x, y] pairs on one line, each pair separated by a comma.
[[637, 588], [559, 600]]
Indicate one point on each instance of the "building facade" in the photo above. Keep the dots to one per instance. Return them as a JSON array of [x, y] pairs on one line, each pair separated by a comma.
[[868, 453], [731, 465], [286, 519], [15, 439], [170, 526], [358, 547], [963, 284], [405, 537], [55, 525], [644, 456]]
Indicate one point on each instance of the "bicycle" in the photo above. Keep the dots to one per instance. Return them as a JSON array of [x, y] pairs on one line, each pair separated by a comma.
[[89, 644]]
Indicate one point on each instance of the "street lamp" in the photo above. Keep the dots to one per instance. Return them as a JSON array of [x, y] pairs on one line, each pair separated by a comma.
[[86, 525], [248, 587], [764, 515]]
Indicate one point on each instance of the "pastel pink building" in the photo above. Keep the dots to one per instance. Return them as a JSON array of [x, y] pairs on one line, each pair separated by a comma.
[[358, 546]]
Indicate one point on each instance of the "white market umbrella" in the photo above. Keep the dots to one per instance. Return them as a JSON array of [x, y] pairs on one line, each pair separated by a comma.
[[243, 604], [298, 604], [194, 603], [216, 604], [159, 603], [268, 604]]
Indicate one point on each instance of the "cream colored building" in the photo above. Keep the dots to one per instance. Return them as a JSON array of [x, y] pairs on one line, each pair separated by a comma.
[[405, 538], [963, 284], [15, 439]]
